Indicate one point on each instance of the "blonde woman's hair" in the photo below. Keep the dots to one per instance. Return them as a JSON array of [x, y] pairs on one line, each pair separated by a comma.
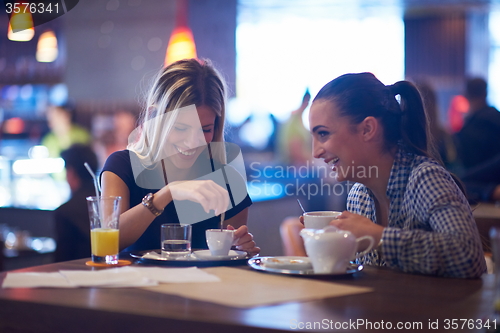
[[182, 83]]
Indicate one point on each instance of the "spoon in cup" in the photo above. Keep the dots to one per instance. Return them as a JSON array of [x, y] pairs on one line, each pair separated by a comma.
[[301, 207]]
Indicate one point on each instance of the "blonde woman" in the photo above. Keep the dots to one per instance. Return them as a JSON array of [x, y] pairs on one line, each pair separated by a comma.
[[177, 142]]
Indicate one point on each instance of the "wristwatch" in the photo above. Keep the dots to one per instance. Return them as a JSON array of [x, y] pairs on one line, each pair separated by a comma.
[[147, 201]]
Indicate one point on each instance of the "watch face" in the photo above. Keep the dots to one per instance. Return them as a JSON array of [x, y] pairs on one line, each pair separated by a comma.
[[148, 202], [147, 199]]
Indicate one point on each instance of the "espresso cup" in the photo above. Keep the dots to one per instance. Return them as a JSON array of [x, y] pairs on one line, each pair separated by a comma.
[[219, 241], [319, 219]]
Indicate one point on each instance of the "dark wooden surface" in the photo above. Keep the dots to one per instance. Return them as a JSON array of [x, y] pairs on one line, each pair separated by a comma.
[[397, 297]]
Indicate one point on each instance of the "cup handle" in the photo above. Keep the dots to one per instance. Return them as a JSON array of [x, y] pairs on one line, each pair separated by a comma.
[[370, 247]]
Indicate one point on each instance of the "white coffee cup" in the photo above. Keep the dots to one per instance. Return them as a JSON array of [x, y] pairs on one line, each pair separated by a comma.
[[219, 241], [319, 219], [330, 249]]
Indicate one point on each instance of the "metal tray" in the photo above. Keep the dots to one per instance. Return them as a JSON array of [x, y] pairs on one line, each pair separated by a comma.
[[191, 260], [256, 263]]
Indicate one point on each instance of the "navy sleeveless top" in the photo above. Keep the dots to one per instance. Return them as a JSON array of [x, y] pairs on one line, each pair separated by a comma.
[[119, 163]]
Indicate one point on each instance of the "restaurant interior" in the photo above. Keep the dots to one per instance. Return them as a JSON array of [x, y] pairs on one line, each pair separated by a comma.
[[104, 52], [97, 59]]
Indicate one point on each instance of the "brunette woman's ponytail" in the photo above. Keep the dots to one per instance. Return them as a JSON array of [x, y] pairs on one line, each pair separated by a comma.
[[415, 133]]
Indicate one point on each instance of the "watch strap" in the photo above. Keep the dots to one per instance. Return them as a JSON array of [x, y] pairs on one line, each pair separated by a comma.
[[147, 202]]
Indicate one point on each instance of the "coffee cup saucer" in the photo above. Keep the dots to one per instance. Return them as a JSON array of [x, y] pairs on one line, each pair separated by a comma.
[[232, 255], [296, 268]]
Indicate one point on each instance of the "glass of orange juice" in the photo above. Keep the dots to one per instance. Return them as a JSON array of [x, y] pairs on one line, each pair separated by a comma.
[[104, 213]]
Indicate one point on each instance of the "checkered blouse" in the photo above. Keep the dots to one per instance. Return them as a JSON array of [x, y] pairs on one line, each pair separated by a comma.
[[431, 229]]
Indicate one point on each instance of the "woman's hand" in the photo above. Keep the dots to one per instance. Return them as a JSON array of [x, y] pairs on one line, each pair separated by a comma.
[[243, 240], [207, 193], [358, 225]]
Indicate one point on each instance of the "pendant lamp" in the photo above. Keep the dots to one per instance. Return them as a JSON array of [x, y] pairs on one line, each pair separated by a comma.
[[21, 25], [181, 44], [46, 50]]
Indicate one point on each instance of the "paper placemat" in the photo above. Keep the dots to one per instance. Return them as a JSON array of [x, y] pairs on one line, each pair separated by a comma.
[[243, 288]]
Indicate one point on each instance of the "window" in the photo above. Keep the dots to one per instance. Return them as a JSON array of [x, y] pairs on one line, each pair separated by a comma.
[[285, 48], [493, 77]]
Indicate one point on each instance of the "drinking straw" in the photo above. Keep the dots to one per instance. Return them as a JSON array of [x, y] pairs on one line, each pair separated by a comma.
[[96, 186]]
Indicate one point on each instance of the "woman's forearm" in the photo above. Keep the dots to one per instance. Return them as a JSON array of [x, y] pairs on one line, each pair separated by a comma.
[[134, 221]]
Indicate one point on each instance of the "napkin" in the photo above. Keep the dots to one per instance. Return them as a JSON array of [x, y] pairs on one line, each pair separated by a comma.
[[35, 280], [114, 277], [109, 278]]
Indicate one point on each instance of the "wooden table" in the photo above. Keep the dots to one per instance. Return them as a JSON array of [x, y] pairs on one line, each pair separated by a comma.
[[397, 298]]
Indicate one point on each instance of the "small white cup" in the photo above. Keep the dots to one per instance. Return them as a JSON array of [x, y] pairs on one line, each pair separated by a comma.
[[319, 219], [219, 241]]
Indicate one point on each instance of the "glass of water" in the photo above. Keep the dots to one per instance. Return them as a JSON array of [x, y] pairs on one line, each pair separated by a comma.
[[175, 240]]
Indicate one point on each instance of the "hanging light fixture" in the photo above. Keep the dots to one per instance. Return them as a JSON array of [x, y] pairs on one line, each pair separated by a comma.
[[46, 50], [22, 24], [181, 44]]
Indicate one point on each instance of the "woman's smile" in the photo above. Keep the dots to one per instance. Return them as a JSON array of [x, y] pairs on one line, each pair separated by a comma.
[[185, 152], [332, 162]]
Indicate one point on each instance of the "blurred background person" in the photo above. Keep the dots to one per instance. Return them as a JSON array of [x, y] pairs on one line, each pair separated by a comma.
[[71, 218], [457, 110], [124, 123], [63, 131], [479, 138], [444, 141], [483, 181], [294, 140], [295, 149], [479, 145], [116, 137]]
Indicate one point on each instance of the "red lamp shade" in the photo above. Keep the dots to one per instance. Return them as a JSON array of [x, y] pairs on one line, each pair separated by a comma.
[[180, 46]]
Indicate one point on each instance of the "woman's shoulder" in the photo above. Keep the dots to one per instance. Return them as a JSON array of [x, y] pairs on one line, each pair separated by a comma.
[[121, 153], [119, 164], [426, 165], [117, 158], [428, 174]]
